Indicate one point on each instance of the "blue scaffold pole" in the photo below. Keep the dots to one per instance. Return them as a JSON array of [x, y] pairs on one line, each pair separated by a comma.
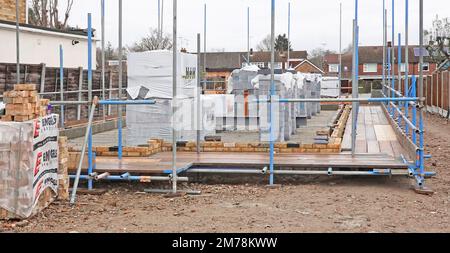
[[90, 155], [399, 82]]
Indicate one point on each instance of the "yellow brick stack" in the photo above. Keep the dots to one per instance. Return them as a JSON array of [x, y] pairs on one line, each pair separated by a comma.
[[23, 103], [63, 169]]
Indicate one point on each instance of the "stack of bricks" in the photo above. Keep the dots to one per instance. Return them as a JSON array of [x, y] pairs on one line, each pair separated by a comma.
[[280, 147], [74, 159], [338, 131], [16, 159], [63, 169], [23, 103]]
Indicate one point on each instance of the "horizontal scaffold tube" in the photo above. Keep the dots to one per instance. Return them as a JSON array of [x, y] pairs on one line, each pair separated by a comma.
[[127, 177], [296, 172], [373, 100], [126, 102], [77, 91], [339, 100], [411, 103], [411, 125], [69, 102]]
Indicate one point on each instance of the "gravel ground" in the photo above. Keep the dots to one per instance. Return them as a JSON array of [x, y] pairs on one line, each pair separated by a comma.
[[351, 204]]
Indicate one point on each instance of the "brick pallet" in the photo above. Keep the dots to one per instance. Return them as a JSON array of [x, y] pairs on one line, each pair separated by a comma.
[[23, 103], [29, 164]]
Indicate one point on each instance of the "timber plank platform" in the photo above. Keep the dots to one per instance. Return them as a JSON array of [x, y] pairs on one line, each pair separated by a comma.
[[161, 163], [377, 147], [374, 134]]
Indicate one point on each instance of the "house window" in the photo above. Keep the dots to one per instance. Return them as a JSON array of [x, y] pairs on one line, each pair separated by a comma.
[[333, 68], [259, 64], [370, 67], [403, 68], [426, 66], [277, 65]]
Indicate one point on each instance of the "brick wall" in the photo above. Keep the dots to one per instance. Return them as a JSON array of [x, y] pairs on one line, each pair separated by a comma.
[[8, 10]]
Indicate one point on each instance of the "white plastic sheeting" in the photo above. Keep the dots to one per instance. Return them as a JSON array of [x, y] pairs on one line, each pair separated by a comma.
[[28, 163], [282, 111], [241, 79], [330, 87], [152, 71]]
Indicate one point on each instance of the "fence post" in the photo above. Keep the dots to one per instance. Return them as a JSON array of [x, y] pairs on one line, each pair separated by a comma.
[[80, 94], [432, 94], [43, 68], [442, 94], [110, 90]]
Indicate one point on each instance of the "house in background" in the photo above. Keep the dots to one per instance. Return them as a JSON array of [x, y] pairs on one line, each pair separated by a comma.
[[371, 66], [308, 67], [219, 65], [40, 44]]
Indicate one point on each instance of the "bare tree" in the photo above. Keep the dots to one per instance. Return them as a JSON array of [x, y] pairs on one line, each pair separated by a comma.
[[153, 41], [282, 44], [265, 44], [317, 56], [438, 42], [46, 13]]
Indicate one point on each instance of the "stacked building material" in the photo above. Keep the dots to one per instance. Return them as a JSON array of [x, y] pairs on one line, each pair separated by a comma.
[[74, 159], [63, 169], [28, 166], [23, 103], [283, 84], [300, 109], [150, 77], [280, 147]]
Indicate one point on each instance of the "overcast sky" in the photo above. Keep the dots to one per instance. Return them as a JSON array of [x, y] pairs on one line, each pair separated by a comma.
[[314, 23]]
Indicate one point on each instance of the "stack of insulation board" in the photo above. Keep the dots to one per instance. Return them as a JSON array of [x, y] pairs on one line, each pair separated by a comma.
[[23, 103], [152, 71], [300, 109], [28, 166], [283, 84]]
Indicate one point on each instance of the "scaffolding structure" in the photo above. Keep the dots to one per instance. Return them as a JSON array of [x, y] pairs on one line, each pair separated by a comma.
[[397, 105]]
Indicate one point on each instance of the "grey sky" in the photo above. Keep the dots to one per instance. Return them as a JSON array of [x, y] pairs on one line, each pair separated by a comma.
[[313, 23]]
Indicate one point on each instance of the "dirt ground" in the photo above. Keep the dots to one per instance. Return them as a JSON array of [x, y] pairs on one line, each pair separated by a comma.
[[323, 204]]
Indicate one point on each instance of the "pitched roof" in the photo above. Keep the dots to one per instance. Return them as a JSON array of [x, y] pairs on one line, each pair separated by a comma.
[[309, 63], [266, 56], [71, 31], [374, 54], [331, 58], [223, 60], [234, 60]]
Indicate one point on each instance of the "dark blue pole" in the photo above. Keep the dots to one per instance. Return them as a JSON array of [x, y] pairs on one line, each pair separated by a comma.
[[393, 56], [414, 110], [90, 155], [399, 63]]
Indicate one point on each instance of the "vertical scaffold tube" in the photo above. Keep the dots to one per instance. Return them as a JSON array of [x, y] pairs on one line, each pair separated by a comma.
[[90, 160], [406, 62], [119, 107], [272, 92], [393, 57], [399, 75], [421, 144], [174, 100], [61, 82]]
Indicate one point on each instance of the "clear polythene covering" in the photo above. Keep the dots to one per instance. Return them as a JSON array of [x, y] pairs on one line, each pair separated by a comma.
[[28, 163], [150, 77]]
